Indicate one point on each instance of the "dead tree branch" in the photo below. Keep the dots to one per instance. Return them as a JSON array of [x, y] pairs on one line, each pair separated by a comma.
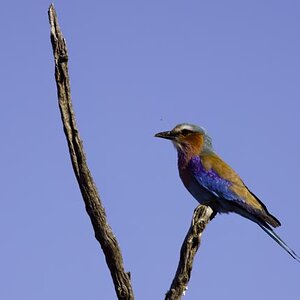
[[201, 217], [93, 205]]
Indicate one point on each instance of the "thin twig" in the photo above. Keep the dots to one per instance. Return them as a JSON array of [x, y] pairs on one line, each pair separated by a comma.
[[93, 205], [201, 217]]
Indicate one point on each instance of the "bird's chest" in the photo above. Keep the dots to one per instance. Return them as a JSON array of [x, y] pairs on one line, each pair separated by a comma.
[[192, 168], [193, 176]]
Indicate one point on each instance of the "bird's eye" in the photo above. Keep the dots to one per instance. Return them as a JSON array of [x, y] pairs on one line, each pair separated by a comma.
[[185, 131]]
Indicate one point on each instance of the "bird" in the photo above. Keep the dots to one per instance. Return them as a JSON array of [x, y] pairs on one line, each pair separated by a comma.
[[212, 182]]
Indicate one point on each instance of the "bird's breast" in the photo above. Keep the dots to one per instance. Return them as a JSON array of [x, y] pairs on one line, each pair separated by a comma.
[[187, 175], [188, 168]]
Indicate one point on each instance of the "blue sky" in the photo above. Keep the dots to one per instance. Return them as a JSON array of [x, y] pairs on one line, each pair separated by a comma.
[[137, 68]]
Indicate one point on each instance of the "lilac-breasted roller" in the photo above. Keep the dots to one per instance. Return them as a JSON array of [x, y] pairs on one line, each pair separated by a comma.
[[213, 182]]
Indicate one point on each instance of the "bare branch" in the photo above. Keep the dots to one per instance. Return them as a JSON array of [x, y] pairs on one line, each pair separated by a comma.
[[93, 205], [201, 217]]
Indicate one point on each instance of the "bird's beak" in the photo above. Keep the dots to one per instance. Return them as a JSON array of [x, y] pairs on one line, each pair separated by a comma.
[[166, 135]]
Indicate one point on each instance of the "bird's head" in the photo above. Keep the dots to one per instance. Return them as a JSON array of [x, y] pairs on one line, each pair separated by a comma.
[[188, 138]]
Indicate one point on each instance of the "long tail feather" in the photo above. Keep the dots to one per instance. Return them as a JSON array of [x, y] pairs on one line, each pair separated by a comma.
[[278, 240], [262, 223]]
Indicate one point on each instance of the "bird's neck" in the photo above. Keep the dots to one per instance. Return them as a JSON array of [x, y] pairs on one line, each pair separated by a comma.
[[184, 156], [187, 152]]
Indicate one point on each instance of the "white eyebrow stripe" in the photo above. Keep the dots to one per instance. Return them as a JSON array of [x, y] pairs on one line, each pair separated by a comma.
[[184, 126]]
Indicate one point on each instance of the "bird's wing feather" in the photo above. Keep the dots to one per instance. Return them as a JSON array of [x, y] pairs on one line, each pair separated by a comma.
[[220, 179]]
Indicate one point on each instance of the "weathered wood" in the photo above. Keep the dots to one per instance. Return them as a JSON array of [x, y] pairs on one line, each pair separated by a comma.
[[93, 205], [201, 217]]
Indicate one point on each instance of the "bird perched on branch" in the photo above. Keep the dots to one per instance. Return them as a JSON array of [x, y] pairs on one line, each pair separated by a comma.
[[214, 183]]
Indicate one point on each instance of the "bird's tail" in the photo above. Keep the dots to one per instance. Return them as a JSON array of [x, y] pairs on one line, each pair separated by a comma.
[[261, 222], [277, 239]]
